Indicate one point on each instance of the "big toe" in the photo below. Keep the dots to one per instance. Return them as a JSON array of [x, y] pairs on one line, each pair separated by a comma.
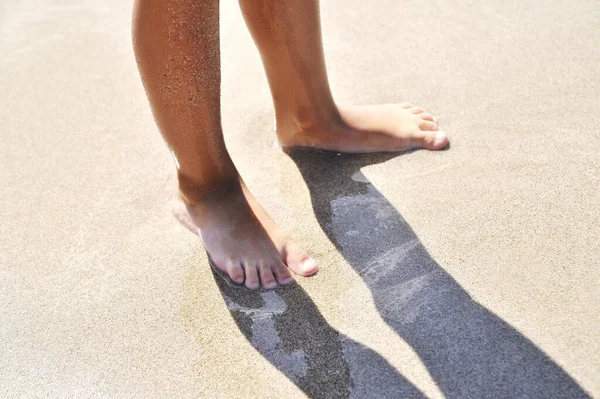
[[298, 260], [433, 139], [282, 273]]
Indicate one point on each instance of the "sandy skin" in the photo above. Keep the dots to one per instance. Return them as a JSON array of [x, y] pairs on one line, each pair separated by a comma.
[[241, 237], [177, 50]]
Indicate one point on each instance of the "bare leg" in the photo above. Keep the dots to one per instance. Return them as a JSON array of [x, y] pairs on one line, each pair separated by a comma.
[[177, 48], [288, 35]]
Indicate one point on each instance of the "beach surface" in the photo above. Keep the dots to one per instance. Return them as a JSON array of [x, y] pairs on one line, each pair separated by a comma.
[[471, 272]]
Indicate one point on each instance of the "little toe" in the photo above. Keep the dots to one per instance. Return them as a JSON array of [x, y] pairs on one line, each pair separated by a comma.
[[417, 110], [406, 105], [252, 282], [282, 273], [298, 260], [266, 277], [235, 272]]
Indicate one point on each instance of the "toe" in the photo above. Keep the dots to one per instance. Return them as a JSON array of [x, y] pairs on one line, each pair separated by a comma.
[[266, 277], [427, 117], [433, 140], [235, 272], [428, 125], [405, 105], [298, 260], [282, 273], [417, 110], [251, 281]]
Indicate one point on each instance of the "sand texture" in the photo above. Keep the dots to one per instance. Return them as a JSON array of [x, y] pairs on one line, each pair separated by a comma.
[[467, 273]]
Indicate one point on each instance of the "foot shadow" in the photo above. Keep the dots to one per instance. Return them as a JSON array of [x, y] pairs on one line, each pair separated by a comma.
[[468, 350], [285, 326]]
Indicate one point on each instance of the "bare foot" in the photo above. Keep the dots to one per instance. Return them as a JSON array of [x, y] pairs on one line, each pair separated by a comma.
[[366, 128], [241, 238]]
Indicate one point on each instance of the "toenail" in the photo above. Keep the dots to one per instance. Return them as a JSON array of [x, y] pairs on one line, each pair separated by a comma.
[[440, 137], [309, 264]]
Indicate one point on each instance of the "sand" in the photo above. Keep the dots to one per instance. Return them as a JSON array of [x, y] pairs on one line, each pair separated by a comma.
[[467, 273]]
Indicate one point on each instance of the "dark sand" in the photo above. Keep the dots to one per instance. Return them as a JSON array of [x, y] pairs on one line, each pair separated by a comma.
[[467, 273]]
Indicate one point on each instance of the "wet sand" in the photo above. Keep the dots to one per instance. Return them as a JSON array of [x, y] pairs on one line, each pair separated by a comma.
[[471, 272]]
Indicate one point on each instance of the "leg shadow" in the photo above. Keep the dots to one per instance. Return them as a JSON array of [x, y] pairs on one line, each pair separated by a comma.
[[469, 351], [286, 327]]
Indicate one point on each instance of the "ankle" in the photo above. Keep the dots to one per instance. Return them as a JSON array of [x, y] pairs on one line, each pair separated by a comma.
[[195, 193], [306, 118]]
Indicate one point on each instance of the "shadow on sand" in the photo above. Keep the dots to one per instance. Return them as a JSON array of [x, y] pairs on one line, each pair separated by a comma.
[[468, 351]]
